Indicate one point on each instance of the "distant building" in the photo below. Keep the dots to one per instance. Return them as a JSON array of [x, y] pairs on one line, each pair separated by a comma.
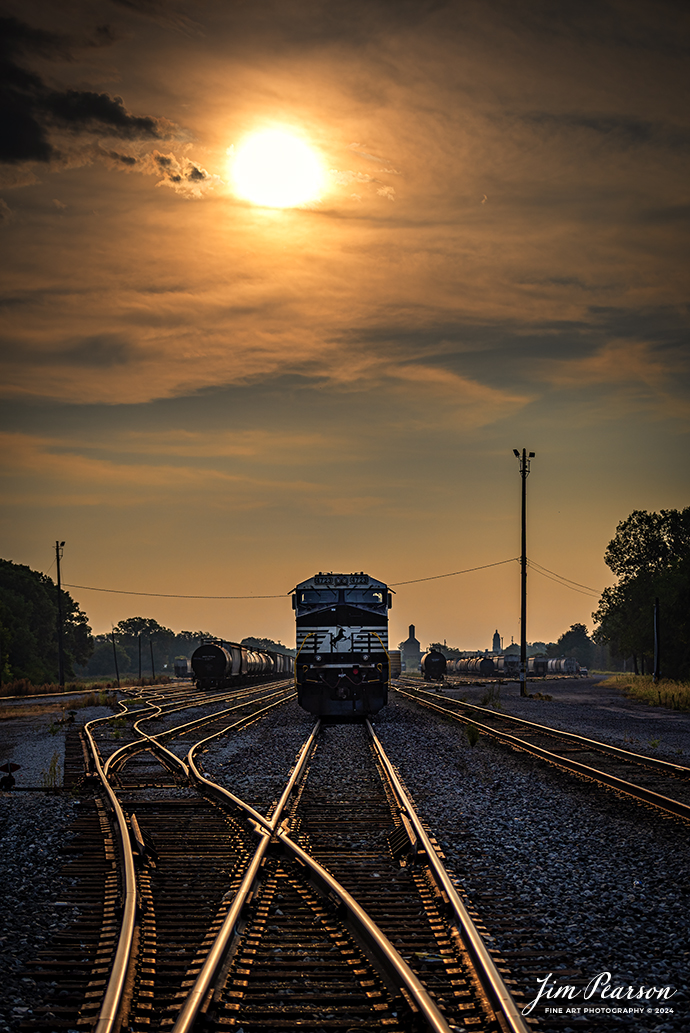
[[496, 647], [411, 654]]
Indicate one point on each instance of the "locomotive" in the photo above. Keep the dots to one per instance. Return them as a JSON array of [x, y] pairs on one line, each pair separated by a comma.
[[220, 665], [342, 666], [433, 666]]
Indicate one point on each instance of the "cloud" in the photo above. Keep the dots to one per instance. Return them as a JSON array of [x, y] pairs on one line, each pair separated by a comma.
[[164, 12], [342, 178], [640, 376], [43, 124], [185, 176], [620, 129], [615, 362], [69, 477]]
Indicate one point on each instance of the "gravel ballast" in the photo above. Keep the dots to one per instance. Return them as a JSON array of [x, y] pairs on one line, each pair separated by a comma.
[[605, 877]]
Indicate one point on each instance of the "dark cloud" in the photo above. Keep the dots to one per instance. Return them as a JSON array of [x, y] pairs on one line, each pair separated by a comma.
[[164, 12], [101, 351], [31, 110], [620, 129], [183, 175]]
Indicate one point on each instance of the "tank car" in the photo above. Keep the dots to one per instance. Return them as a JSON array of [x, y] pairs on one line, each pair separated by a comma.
[[220, 665], [564, 665], [483, 666], [433, 666], [342, 664]]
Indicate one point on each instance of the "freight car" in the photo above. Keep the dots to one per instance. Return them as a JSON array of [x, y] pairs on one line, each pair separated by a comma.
[[566, 665], [182, 667], [342, 667], [220, 665], [433, 666]]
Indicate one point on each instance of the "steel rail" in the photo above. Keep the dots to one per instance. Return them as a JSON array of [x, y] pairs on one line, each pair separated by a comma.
[[667, 766], [209, 970], [112, 998], [369, 932], [665, 803], [136, 744], [494, 986]]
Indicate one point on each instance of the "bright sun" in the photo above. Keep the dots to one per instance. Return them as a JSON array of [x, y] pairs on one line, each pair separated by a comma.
[[277, 170]]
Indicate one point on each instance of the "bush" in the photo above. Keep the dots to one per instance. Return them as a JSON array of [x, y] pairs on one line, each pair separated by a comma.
[[675, 695]]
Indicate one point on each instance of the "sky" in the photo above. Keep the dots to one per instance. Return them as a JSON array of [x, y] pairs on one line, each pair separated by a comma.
[[206, 396]]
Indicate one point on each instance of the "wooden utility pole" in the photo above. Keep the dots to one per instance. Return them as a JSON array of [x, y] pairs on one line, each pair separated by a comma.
[[524, 461]]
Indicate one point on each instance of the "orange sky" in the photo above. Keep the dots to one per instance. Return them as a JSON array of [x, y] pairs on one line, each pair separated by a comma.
[[203, 396]]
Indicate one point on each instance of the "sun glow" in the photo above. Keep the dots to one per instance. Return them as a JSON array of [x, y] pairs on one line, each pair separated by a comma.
[[276, 169]]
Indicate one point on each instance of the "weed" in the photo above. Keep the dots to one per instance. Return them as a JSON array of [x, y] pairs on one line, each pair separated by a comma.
[[472, 733], [654, 744], [117, 727], [674, 695], [492, 696], [51, 778]]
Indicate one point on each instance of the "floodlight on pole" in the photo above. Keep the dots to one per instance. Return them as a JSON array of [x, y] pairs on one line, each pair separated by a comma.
[[524, 460]]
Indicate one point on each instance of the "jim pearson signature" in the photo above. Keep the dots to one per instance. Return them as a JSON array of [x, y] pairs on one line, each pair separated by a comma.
[[602, 986]]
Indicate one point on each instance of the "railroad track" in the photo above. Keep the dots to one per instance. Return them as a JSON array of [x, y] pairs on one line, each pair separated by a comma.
[[662, 783], [332, 911], [111, 905]]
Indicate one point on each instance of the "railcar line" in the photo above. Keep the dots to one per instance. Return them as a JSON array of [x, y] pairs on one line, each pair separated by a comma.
[[341, 917], [649, 779]]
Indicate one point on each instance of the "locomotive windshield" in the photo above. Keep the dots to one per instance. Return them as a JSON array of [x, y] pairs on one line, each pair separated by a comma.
[[325, 596], [368, 596]]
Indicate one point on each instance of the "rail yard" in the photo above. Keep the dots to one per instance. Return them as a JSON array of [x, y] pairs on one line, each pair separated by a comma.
[[283, 872]]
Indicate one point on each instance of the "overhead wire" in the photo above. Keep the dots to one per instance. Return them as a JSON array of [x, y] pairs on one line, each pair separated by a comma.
[[551, 575], [589, 592]]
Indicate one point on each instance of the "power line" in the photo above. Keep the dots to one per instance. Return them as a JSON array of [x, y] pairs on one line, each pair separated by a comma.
[[544, 571], [171, 595], [539, 568], [589, 592], [435, 577]]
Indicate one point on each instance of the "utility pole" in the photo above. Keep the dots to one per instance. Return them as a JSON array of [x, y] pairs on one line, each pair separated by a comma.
[[657, 645], [524, 461], [59, 546], [117, 672]]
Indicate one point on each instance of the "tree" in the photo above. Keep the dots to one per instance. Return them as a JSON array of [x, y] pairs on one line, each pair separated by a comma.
[[155, 638], [266, 645], [576, 643], [650, 555], [28, 626]]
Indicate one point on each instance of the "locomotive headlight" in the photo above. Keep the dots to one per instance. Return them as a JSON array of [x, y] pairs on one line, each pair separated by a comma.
[[318, 658], [366, 656]]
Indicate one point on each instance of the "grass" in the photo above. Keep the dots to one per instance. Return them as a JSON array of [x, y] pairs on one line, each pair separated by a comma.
[[66, 711], [674, 695], [51, 778], [472, 733], [23, 687]]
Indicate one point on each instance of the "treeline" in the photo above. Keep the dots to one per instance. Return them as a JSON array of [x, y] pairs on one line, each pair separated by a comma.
[[650, 556], [144, 647], [28, 627], [29, 642]]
